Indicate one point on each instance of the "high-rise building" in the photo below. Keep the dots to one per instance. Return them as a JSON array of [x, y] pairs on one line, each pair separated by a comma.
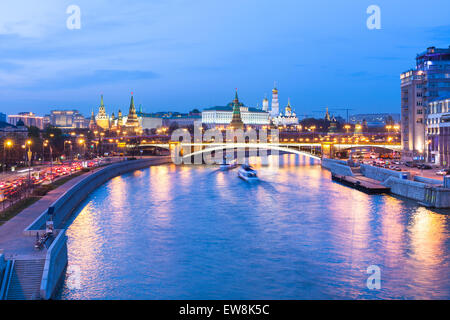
[[430, 80], [438, 132], [28, 118], [2, 117]]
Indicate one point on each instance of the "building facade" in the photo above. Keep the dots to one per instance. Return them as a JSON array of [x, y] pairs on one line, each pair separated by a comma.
[[28, 118], [222, 116], [67, 119], [430, 80], [288, 118], [438, 132]]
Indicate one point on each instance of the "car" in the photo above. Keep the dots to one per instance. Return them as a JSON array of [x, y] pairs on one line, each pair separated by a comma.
[[443, 172], [424, 166], [409, 164]]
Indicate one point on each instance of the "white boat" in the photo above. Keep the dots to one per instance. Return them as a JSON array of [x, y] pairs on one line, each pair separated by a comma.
[[247, 173], [224, 166]]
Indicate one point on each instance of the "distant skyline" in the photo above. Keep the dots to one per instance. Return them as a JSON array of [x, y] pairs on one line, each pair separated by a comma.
[[179, 55]]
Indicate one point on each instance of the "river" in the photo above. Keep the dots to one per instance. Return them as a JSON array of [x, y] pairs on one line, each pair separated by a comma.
[[194, 232]]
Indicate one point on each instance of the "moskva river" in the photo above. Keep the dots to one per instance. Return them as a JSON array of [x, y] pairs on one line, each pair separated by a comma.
[[194, 232]]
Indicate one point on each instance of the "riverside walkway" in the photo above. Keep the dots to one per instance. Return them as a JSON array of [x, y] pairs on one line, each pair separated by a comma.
[[29, 273], [13, 241]]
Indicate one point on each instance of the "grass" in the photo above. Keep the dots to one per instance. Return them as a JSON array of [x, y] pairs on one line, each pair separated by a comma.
[[38, 193], [17, 207]]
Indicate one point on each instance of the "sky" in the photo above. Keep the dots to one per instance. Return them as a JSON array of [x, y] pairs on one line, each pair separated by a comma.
[[179, 55]]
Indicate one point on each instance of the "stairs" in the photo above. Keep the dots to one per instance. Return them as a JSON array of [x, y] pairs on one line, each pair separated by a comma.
[[25, 280], [356, 171]]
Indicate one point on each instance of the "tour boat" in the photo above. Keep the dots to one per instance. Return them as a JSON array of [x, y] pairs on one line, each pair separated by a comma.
[[247, 173], [224, 166]]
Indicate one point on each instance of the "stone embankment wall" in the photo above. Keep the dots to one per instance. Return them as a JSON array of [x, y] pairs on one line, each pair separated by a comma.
[[55, 264], [429, 192], [381, 174], [338, 167], [56, 256]]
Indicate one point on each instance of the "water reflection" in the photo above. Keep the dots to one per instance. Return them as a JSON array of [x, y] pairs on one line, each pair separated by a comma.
[[195, 232]]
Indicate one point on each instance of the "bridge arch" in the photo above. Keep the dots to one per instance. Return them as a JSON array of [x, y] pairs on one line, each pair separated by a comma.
[[252, 146]]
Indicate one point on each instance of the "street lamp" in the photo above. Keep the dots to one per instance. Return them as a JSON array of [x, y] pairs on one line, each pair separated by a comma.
[[29, 154], [7, 144], [347, 127], [81, 143]]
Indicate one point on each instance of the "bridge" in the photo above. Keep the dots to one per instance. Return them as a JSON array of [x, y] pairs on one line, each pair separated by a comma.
[[314, 150]]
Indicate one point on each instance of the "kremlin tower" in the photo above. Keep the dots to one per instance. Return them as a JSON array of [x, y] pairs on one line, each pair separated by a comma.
[[92, 123], [102, 119], [236, 121], [132, 124]]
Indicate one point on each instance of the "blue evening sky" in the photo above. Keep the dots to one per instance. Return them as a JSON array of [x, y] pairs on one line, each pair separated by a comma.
[[179, 55]]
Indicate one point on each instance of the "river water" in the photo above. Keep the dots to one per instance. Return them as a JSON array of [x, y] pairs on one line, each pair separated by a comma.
[[193, 232]]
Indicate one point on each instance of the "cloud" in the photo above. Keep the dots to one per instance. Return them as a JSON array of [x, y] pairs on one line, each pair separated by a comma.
[[97, 77]]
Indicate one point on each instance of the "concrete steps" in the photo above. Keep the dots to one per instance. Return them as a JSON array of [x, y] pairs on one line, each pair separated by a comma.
[[26, 280]]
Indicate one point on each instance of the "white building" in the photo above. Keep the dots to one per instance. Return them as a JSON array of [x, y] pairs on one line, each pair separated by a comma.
[[275, 111], [438, 132], [287, 119], [221, 116]]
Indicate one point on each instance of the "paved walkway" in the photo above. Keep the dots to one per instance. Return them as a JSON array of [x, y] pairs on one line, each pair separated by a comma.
[[13, 241]]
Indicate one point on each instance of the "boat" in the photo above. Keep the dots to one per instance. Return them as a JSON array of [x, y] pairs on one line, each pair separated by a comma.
[[247, 173], [224, 166]]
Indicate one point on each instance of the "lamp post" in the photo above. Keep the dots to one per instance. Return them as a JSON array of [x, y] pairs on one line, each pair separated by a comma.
[[81, 143], [347, 127], [29, 154], [6, 144]]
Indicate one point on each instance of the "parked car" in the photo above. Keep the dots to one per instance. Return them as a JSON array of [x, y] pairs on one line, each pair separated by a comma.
[[443, 172], [409, 164]]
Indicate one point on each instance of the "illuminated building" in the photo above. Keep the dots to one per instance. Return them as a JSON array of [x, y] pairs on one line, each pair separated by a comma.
[[265, 104], [275, 107], [67, 119], [102, 118], [430, 80], [236, 120], [438, 132], [28, 118], [132, 124], [221, 116], [288, 118]]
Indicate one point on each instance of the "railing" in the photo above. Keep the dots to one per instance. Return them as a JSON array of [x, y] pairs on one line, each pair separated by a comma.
[[7, 275]]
